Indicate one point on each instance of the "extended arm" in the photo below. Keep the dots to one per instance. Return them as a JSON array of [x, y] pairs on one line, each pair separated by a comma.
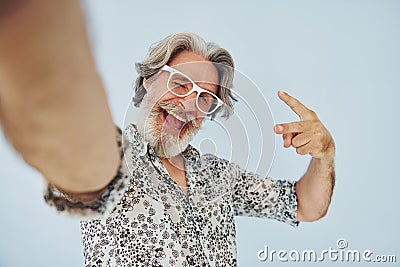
[[309, 136], [53, 108], [315, 189]]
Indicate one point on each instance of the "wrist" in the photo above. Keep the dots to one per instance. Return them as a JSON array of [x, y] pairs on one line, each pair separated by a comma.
[[328, 155]]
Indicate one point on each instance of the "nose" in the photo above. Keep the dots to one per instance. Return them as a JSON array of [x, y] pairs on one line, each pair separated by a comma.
[[189, 102]]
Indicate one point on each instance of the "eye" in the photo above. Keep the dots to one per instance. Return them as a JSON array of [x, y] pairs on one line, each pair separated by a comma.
[[205, 100], [181, 85]]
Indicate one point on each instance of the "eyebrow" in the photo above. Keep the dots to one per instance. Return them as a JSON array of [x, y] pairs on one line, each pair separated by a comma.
[[208, 88], [198, 82], [182, 78]]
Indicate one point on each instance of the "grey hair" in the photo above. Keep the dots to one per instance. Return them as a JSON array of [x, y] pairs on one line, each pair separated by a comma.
[[167, 49]]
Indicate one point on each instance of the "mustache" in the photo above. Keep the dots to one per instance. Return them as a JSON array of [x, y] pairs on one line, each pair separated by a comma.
[[188, 116]]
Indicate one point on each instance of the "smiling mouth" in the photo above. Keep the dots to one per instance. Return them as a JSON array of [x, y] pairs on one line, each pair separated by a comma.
[[173, 119], [176, 121]]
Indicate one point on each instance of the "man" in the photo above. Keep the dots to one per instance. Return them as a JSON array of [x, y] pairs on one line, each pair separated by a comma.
[[165, 205]]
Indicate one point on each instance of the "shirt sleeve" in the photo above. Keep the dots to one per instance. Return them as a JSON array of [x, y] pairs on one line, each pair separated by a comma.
[[257, 196], [103, 206]]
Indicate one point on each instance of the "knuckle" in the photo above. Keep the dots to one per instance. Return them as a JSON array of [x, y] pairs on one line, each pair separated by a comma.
[[300, 127], [312, 113], [285, 128], [317, 128], [289, 128]]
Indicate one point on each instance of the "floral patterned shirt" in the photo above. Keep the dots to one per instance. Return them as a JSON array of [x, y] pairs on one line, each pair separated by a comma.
[[144, 218]]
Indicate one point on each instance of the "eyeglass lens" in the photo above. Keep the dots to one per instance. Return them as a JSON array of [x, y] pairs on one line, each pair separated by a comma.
[[181, 85]]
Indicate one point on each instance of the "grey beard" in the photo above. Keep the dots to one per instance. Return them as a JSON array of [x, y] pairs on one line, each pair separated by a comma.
[[150, 126]]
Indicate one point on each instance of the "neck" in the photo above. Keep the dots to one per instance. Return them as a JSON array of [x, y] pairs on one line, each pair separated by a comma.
[[176, 161]]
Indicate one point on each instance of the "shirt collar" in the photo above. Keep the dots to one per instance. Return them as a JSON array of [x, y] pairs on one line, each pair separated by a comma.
[[191, 155], [137, 141]]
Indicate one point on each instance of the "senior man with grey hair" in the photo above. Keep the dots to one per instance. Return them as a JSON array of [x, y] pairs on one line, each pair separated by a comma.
[[149, 198]]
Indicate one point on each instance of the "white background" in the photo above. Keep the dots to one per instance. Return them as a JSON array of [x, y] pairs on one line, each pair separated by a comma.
[[341, 58]]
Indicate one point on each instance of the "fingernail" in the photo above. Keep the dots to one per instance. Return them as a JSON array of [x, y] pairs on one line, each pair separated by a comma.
[[279, 128]]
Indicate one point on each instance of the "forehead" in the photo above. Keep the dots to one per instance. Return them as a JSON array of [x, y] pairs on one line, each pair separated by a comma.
[[197, 68]]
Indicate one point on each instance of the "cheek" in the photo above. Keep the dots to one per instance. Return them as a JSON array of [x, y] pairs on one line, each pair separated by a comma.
[[166, 96], [157, 91]]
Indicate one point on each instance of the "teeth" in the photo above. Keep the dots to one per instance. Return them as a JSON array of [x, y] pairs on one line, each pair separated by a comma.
[[194, 123], [176, 116], [180, 118]]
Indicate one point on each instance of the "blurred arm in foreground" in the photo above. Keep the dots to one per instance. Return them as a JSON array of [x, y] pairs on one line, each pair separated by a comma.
[[53, 108]]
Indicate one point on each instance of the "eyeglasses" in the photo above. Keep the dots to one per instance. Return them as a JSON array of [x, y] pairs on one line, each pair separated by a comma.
[[181, 85]]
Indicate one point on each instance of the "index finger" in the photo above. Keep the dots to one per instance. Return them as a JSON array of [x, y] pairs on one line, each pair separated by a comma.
[[298, 108]]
